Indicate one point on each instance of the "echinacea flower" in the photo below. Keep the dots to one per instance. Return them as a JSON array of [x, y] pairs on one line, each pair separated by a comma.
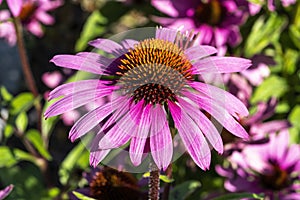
[[272, 168], [5, 192], [153, 84], [107, 183], [34, 12], [217, 21]]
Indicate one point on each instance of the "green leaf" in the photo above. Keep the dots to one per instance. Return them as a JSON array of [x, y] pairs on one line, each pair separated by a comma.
[[294, 118], [8, 130], [82, 196], [22, 103], [184, 190], [294, 33], [77, 157], [290, 61], [48, 124], [94, 26], [273, 86], [10, 157], [5, 94], [22, 122], [35, 138], [263, 33], [238, 196]]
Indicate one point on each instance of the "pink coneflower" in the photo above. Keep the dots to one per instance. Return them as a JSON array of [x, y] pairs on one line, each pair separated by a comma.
[[272, 168], [217, 21], [153, 84], [34, 12]]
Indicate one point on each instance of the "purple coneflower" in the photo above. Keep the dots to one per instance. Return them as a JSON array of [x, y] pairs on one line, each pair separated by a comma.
[[217, 21], [5, 191], [272, 168], [109, 184], [34, 12], [153, 84], [271, 4]]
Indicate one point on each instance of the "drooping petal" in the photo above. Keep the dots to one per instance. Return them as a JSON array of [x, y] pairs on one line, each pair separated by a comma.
[[76, 100], [129, 43], [200, 51], [77, 63], [15, 6], [216, 64], [35, 28], [108, 46], [278, 145], [122, 131], [166, 34], [206, 126], [232, 104], [191, 136], [44, 17], [138, 142], [69, 88], [92, 118], [292, 157], [5, 192], [219, 113], [160, 138], [97, 156]]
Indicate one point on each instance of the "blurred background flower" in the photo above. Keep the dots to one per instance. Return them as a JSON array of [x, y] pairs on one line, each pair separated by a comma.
[[271, 168], [217, 21]]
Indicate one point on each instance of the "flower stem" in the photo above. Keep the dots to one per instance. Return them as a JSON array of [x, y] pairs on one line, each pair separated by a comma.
[[153, 182], [168, 185], [26, 68]]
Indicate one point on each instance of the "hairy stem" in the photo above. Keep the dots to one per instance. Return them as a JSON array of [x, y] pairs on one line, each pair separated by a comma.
[[153, 182], [26, 68]]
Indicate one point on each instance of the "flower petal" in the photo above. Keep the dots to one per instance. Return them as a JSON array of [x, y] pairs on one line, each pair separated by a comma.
[[191, 136], [137, 144], [77, 63], [108, 46], [122, 131], [233, 105], [160, 138], [219, 113], [97, 156], [216, 64], [15, 6], [92, 118], [75, 100], [199, 51], [206, 126], [166, 34]]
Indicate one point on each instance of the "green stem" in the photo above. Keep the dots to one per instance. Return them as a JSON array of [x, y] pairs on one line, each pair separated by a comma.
[[153, 182]]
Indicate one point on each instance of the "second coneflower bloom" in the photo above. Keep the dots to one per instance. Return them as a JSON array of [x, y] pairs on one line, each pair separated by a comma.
[[153, 84]]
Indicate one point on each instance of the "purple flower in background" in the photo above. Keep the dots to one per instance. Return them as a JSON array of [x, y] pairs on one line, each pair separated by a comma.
[[272, 168], [5, 191], [14, 6], [217, 21], [7, 29], [255, 8], [34, 12], [107, 183], [154, 80]]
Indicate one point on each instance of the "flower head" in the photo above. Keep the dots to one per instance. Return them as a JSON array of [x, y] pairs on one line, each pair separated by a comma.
[[217, 21], [272, 168], [107, 183], [34, 12], [153, 84]]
